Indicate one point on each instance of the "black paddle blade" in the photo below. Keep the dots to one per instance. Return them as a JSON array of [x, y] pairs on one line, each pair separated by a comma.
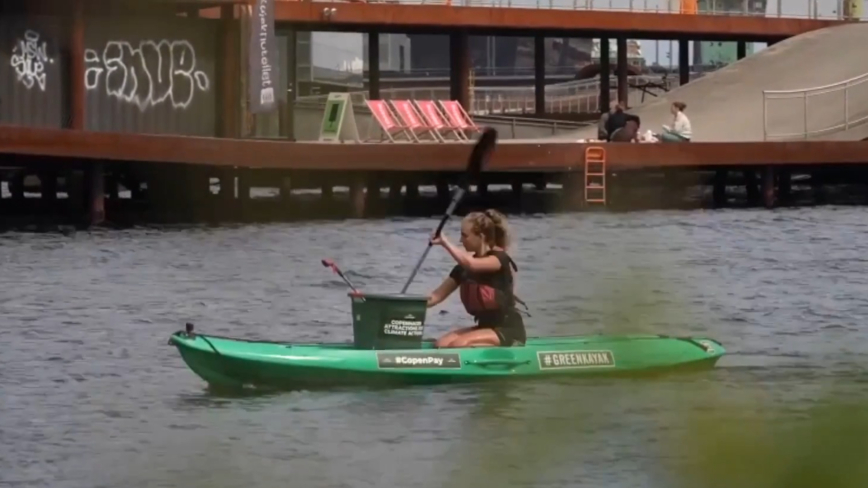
[[480, 155]]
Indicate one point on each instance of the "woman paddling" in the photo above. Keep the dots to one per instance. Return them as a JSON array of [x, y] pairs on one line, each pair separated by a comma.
[[485, 280]]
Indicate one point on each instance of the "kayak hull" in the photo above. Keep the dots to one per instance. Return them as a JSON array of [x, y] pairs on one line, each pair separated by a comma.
[[225, 362]]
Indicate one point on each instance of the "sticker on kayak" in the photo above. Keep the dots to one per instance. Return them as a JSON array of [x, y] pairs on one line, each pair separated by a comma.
[[575, 359], [418, 360]]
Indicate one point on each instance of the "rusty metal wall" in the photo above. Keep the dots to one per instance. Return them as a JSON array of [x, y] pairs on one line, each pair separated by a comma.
[[33, 71], [151, 75]]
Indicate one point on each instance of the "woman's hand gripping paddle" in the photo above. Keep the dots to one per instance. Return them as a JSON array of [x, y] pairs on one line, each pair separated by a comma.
[[478, 157]]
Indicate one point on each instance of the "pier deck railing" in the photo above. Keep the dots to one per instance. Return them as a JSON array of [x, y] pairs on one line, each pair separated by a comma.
[[804, 9], [581, 96], [835, 107]]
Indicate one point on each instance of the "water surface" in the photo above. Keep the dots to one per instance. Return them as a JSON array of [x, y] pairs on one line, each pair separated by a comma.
[[93, 397]]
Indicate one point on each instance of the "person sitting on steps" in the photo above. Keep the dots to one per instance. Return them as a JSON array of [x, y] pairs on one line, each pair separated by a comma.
[[602, 133], [616, 120], [680, 130], [486, 284], [630, 131]]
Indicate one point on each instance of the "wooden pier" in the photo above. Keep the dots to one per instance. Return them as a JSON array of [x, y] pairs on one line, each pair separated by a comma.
[[102, 150]]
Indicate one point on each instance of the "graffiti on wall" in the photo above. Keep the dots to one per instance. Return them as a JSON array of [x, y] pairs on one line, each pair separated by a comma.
[[29, 59], [148, 74]]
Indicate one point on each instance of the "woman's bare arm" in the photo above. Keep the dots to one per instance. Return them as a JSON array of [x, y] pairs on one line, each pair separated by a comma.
[[442, 292], [472, 263]]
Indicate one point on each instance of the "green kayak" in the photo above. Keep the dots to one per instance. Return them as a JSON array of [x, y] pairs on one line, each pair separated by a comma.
[[235, 363], [388, 348]]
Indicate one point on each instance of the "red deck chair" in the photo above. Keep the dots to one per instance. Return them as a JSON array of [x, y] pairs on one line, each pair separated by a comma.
[[384, 116], [435, 119], [411, 119], [458, 117]]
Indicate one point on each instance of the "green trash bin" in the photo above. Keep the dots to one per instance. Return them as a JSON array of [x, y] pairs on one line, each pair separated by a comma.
[[383, 321]]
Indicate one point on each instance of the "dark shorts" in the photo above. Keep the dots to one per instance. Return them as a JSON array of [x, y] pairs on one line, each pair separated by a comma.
[[509, 329]]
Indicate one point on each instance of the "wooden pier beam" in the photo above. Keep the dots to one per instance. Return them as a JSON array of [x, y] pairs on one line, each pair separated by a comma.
[[244, 199], [459, 74], [539, 74], [76, 87], [192, 190], [769, 186], [372, 194], [751, 187], [374, 65], [287, 125], [95, 181], [197, 181], [684, 61], [395, 191], [393, 202], [16, 186], [226, 195], [48, 186], [785, 186], [573, 192], [228, 83], [113, 186], [286, 194], [623, 87], [605, 88], [719, 193], [357, 196], [517, 188], [73, 208], [442, 189], [818, 192], [517, 194], [412, 191]]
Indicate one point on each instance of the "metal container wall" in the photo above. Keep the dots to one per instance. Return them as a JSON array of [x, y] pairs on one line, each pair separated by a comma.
[[151, 75], [32, 72]]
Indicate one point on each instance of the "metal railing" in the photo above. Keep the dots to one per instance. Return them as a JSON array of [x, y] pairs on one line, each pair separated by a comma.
[[581, 96], [810, 9], [854, 112]]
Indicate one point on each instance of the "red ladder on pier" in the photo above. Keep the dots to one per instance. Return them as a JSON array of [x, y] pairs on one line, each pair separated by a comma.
[[595, 169]]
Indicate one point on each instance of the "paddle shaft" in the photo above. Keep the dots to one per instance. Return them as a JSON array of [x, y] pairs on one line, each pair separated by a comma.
[[478, 157], [457, 198]]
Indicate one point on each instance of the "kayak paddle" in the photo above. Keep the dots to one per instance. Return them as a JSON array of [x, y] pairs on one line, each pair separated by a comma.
[[478, 157], [328, 263]]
